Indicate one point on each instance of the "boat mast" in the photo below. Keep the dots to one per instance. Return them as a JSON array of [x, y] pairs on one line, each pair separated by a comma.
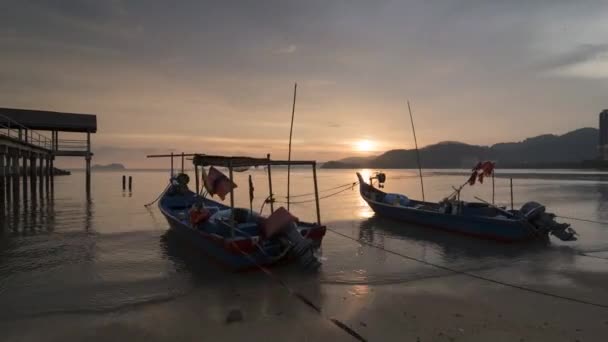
[[293, 112], [417, 151], [232, 224]]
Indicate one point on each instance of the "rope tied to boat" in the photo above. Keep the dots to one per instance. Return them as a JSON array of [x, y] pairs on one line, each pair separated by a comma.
[[159, 196], [350, 186], [582, 220]]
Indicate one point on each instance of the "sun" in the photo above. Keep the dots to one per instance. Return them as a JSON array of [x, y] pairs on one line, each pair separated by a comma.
[[364, 145]]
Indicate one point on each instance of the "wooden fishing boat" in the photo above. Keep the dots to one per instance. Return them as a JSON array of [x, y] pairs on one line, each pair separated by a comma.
[[238, 238], [481, 220]]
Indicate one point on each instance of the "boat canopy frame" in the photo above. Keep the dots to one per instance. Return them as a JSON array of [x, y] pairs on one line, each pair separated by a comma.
[[201, 160]]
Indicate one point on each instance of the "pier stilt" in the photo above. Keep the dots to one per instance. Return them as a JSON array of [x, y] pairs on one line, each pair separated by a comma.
[[40, 178], [33, 176], [47, 173], [24, 157], [8, 177], [2, 184], [15, 165], [88, 174], [52, 175], [88, 165]]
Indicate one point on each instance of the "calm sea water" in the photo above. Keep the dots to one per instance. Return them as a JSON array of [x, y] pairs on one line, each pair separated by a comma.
[[67, 253]]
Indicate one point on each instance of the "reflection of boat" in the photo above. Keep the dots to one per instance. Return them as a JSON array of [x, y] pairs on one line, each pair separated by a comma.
[[236, 237], [475, 219], [453, 246]]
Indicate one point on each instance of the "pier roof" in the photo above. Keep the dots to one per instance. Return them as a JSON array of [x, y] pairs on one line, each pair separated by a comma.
[[50, 121]]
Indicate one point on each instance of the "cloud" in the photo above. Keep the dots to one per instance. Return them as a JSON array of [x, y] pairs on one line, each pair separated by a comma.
[[587, 61], [287, 49]]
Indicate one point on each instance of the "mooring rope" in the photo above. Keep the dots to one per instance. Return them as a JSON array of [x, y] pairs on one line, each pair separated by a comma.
[[351, 186], [159, 196], [581, 219], [445, 268], [302, 298]]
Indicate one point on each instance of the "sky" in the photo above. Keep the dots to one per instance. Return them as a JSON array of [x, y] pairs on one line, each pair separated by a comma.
[[218, 76]]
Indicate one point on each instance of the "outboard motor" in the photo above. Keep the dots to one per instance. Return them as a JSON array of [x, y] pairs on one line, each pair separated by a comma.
[[380, 177], [301, 248], [545, 222]]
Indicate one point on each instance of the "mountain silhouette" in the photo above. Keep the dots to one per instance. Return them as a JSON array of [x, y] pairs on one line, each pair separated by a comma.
[[549, 150]]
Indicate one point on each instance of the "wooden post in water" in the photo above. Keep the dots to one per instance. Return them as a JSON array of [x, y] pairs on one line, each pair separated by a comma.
[[293, 112], [271, 195], [171, 164], [314, 177], [130, 183], [511, 181], [124, 182], [182, 162]]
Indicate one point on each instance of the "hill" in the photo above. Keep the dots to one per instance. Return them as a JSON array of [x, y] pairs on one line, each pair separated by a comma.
[[570, 149], [109, 167]]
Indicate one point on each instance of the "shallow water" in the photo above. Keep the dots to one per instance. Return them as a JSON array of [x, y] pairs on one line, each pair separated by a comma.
[[70, 254]]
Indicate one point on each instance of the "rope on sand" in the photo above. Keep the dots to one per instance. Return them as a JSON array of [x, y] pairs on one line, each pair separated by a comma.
[[519, 287]]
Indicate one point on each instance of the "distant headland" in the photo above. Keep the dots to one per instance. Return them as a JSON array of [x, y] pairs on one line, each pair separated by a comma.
[[576, 149], [108, 167]]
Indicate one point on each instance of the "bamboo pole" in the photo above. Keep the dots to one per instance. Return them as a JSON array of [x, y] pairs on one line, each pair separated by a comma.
[[314, 176], [417, 151], [511, 181], [183, 162], [493, 189], [293, 112], [271, 195], [197, 179]]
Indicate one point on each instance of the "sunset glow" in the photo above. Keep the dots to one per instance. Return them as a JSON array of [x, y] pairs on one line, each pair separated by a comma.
[[364, 146]]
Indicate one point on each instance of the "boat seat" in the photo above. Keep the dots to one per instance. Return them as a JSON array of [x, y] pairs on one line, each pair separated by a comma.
[[212, 209]]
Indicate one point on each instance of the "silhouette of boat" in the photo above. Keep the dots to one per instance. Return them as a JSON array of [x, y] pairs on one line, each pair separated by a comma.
[[474, 219]]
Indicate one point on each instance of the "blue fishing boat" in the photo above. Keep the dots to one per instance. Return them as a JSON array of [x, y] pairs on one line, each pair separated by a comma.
[[238, 238], [476, 219]]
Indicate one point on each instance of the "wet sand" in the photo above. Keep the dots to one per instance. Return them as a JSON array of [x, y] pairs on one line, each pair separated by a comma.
[[109, 271], [426, 305]]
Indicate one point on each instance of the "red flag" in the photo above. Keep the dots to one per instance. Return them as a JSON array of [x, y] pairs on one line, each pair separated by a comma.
[[488, 168], [218, 184], [473, 178]]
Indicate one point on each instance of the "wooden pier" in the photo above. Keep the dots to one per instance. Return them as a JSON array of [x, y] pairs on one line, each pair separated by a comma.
[[29, 144]]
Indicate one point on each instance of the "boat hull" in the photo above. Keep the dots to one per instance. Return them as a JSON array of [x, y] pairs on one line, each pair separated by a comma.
[[509, 231], [499, 229], [229, 251]]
